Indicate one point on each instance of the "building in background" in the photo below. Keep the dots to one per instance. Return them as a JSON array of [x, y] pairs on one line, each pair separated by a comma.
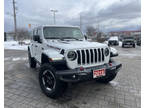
[[134, 33]]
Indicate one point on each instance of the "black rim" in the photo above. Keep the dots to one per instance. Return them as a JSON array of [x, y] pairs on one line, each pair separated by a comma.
[[48, 80]]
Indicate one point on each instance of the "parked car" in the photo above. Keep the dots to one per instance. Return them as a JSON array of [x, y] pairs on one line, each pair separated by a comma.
[[113, 41], [128, 42], [65, 56], [139, 42]]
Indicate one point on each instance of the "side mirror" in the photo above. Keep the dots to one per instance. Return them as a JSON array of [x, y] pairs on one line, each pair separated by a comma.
[[113, 52], [37, 38]]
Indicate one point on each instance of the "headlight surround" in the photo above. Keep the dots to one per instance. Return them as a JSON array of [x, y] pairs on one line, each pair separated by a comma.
[[107, 52], [71, 55]]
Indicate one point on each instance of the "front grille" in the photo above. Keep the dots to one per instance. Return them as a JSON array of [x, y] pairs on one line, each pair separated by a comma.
[[90, 56]]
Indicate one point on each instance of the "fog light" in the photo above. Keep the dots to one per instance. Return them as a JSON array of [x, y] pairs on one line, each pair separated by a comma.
[[73, 76]]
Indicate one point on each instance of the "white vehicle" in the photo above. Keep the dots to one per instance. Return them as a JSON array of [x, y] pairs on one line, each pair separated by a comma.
[[66, 56], [113, 40]]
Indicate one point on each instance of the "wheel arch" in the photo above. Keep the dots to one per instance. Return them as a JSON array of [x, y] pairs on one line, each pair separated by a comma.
[[30, 50], [44, 58]]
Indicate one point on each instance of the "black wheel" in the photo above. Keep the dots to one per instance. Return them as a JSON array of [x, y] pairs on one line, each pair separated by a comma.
[[49, 83], [32, 61], [133, 45], [122, 45], [106, 79]]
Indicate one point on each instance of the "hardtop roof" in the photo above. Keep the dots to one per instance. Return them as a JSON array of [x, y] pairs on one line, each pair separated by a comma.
[[56, 26]]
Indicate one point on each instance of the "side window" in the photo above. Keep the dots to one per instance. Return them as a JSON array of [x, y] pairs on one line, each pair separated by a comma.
[[34, 33], [37, 35], [39, 32]]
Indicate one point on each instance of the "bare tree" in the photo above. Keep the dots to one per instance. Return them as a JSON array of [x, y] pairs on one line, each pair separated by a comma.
[[22, 34], [95, 34], [90, 31]]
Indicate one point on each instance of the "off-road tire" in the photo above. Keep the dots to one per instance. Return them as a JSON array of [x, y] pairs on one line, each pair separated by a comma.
[[60, 86], [32, 62], [106, 79], [122, 45]]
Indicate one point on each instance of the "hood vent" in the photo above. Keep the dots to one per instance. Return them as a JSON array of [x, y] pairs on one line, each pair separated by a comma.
[[62, 52]]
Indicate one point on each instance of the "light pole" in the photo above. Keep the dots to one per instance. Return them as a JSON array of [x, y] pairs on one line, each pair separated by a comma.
[[80, 21], [15, 24], [54, 11]]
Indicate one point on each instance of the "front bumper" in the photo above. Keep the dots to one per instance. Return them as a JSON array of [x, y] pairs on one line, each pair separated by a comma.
[[77, 75]]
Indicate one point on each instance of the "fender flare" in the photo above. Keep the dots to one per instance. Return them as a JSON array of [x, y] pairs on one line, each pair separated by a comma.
[[44, 58], [31, 52], [29, 49]]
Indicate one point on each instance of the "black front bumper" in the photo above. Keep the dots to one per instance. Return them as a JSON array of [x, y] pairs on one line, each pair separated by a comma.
[[77, 75]]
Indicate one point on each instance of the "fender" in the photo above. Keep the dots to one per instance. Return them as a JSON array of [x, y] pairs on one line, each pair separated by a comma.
[[51, 55]]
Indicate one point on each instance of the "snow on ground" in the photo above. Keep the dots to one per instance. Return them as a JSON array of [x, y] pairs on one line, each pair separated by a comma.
[[19, 58], [129, 55], [13, 45], [15, 58]]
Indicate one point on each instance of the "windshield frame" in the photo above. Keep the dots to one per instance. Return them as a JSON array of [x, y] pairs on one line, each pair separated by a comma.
[[62, 38]]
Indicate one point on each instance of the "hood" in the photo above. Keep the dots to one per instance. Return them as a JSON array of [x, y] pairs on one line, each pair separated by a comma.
[[74, 44]]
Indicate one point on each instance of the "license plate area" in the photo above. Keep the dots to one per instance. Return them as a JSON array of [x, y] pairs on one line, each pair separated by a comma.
[[98, 73]]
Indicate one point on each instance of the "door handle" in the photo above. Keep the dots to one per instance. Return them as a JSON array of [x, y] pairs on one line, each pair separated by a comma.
[[36, 46]]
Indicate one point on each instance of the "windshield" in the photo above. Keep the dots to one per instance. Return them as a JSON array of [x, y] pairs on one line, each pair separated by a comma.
[[62, 33], [128, 38]]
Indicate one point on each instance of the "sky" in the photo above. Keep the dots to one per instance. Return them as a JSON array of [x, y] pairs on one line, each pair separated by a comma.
[[107, 15]]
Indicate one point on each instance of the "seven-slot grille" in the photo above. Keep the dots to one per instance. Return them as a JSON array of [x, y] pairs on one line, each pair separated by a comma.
[[90, 56]]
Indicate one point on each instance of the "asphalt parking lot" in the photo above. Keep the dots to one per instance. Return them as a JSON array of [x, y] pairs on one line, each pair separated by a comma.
[[21, 87]]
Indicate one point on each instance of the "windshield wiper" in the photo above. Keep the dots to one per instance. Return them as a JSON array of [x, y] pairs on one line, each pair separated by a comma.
[[52, 38], [62, 38]]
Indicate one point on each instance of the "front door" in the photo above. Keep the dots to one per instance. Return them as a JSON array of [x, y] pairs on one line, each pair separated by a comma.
[[39, 46]]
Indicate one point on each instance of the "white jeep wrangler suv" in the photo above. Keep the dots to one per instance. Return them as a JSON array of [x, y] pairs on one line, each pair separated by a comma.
[[66, 56]]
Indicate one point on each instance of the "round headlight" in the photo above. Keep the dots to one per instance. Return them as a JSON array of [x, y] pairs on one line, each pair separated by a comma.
[[71, 55], [107, 52]]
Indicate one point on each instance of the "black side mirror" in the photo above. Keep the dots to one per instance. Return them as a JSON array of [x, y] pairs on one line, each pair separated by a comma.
[[37, 38]]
